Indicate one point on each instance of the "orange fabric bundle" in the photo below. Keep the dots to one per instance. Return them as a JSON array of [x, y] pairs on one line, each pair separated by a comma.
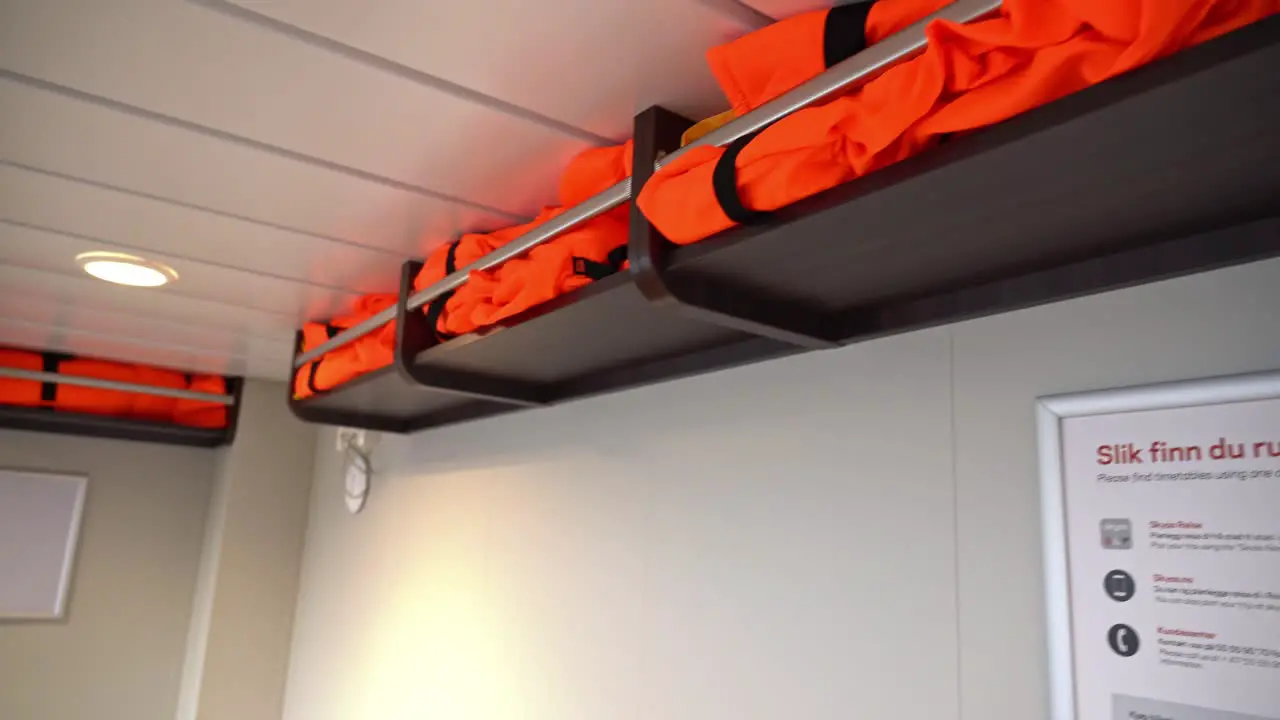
[[356, 358], [594, 171], [78, 398], [588, 252], [488, 295], [552, 269], [65, 397], [968, 77], [556, 267], [24, 393], [453, 310], [154, 407], [762, 65], [197, 413]]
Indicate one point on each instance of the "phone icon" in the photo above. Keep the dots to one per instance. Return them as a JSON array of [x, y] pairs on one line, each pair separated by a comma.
[[1123, 640]]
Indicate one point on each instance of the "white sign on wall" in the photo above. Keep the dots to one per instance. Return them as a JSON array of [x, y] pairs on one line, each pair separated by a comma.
[[39, 527], [1162, 550]]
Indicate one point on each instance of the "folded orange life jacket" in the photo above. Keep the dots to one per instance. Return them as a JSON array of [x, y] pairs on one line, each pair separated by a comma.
[[23, 393], [356, 358], [489, 295], [578, 256], [764, 64], [154, 407], [197, 413], [594, 171], [117, 403], [77, 398], [451, 313], [582, 255], [968, 77]]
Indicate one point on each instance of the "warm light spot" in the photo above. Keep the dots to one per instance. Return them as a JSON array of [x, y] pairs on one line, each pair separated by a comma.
[[123, 269]]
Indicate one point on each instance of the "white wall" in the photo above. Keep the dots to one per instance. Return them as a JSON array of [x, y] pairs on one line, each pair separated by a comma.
[[119, 652], [847, 534], [239, 636]]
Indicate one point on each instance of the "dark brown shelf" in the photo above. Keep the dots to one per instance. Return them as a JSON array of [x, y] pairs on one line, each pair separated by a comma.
[[1169, 170]]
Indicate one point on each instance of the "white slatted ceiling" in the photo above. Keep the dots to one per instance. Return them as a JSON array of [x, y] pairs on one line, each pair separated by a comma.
[[285, 156], [99, 145], [40, 249], [143, 226], [579, 62], [29, 285], [129, 347]]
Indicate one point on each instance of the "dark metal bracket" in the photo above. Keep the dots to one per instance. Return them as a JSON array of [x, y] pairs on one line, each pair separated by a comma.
[[712, 300]]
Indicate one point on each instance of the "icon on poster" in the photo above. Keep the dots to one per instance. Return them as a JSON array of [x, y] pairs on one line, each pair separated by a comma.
[[1119, 585], [1117, 534], [1123, 640]]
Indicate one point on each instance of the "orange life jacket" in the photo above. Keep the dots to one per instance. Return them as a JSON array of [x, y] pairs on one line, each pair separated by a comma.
[[594, 171], [356, 358], [154, 407], [575, 258], [764, 64], [969, 76], [23, 393], [117, 403], [197, 413], [452, 312], [488, 295], [80, 399], [580, 256]]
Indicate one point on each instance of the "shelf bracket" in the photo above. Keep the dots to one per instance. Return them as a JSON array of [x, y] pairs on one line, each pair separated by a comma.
[[712, 300]]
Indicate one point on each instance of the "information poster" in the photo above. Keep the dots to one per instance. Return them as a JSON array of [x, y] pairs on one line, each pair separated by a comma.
[[1163, 548]]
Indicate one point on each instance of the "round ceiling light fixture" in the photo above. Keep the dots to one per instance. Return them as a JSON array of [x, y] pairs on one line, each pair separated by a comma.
[[123, 269]]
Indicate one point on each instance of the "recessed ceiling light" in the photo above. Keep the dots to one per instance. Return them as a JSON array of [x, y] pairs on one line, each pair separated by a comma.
[[123, 269]]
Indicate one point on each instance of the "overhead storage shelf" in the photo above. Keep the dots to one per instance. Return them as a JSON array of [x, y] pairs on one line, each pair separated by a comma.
[[49, 420], [1169, 170]]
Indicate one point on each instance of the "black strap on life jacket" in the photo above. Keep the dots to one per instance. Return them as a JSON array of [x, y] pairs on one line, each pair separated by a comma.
[[600, 270], [724, 181], [49, 363], [332, 332], [844, 35], [845, 32], [436, 308]]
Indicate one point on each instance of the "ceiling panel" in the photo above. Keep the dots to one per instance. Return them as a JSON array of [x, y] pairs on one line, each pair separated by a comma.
[[580, 62], [127, 349], [47, 130], [203, 68], [144, 303], [40, 249], [140, 225], [83, 319]]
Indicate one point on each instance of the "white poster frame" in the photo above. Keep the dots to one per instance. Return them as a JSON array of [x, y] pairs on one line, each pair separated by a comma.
[[57, 611], [1050, 412]]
